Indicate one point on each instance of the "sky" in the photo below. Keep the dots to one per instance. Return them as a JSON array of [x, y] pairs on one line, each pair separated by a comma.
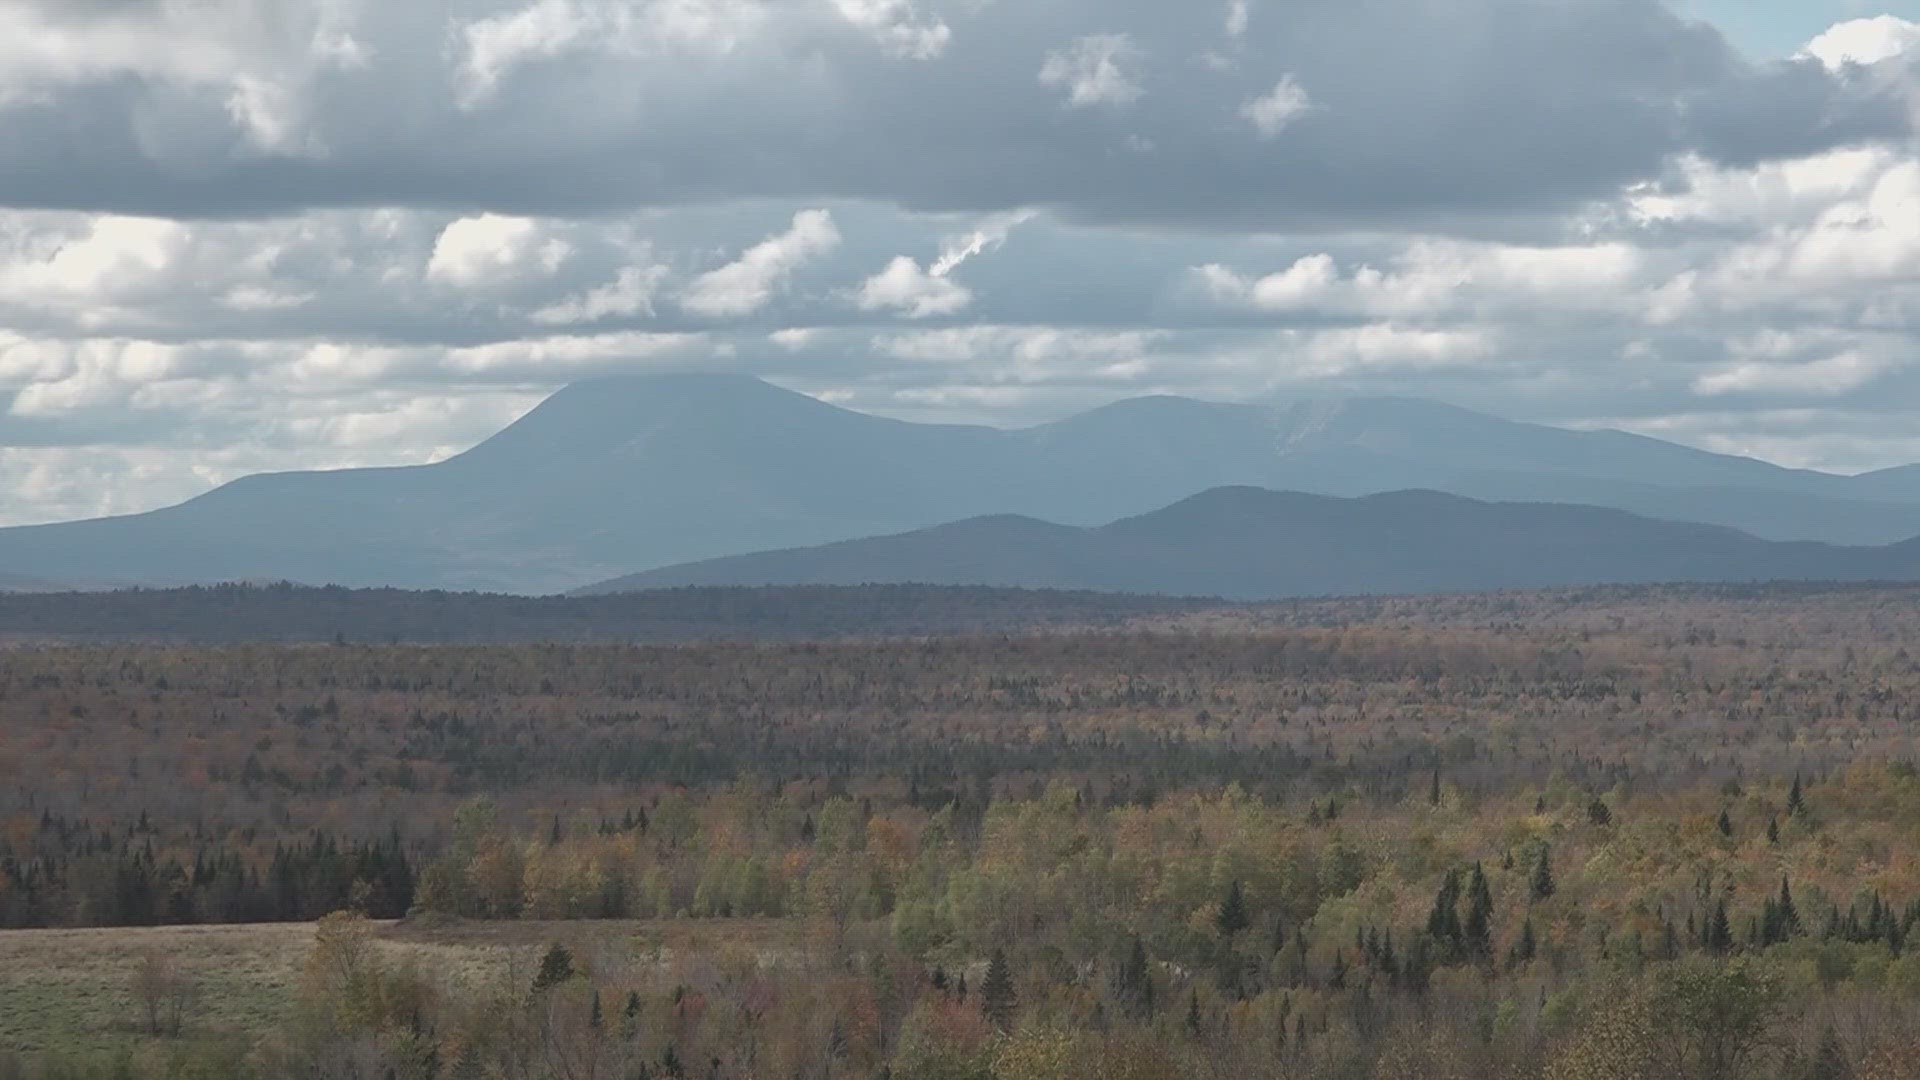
[[251, 235]]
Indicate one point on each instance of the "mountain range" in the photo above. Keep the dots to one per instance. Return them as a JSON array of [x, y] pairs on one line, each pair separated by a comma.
[[1250, 544], [616, 476]]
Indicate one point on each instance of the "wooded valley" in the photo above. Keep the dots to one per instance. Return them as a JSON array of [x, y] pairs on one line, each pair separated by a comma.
[[1586, 833]]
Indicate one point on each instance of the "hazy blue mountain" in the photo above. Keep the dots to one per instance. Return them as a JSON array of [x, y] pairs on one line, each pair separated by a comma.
[[1252, 544], [619, 475]]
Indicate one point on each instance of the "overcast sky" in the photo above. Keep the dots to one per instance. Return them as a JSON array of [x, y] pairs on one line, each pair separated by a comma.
[[240, 235]]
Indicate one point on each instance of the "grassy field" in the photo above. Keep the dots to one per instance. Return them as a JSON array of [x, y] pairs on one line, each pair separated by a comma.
[[69, 991]]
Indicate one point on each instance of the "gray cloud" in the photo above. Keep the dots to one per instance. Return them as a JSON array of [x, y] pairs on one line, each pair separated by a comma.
[[1418, 108], [242, 235]]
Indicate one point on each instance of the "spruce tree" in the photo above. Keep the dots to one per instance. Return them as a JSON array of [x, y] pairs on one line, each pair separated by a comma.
[[1443, 922], [1718, 936], [1726, 824], [1233, 911], [1541, 886], [1796, 799], [1524, 949], [1773, 831], [556, 967], [1478, 927], [997, 999]]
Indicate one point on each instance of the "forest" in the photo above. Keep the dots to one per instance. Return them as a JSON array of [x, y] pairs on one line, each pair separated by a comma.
[[1601, 833]]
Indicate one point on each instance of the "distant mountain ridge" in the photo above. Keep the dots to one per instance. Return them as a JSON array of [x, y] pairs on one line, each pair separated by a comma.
[[619, 475], [1248, 544]]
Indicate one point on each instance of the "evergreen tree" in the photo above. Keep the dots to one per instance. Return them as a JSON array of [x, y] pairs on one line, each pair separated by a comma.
[[1433, 793], [1541, 885], [1726, 824], [1718, 935], [1233, 911], [1478, 927], [1443, 922], [1598, 813], [1773, 831], [1134, 985], [1193, 1014], [997, 999], [556, 967], [1796, 799], [1526, 948]]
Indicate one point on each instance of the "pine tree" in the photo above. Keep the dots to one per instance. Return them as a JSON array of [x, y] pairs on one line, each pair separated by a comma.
[[1233, 911], [556, 967], [1796, 799], [1478, 927], [1526, 948], [1443, 922], [1135, 983], [1726, 824], [595, 1018], [1598, 813], [997, 999], [1193, 1014], [1773, 831], [1718, 936], [1433, 793], [1541, 886]]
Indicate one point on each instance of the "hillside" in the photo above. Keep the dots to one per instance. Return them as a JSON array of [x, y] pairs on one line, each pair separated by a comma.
[[1252, 544], [619, 475]]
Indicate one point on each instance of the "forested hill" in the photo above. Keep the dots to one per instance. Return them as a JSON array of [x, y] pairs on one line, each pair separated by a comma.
[[292, 614]]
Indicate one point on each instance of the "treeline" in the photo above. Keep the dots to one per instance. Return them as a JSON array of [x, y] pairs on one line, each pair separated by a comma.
[[292, 614], [68, 873]]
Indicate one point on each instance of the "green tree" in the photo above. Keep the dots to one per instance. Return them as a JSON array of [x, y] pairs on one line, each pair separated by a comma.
[[1478, 926], [1719, 1016], [997, 998], [556, 967], [1541, 885], [1232, 917]]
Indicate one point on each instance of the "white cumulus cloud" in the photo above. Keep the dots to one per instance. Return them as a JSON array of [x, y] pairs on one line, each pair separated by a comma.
[[1098, 69], [1273, 112], [748, 284], [493, 249]]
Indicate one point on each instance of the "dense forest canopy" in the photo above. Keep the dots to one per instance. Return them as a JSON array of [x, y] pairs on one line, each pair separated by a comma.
[[1606, 833]]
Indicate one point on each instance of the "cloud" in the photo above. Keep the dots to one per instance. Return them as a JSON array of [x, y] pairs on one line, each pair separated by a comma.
[[1272, 113], [1832, 377], [493, 249], [225, 224], [496, 46], [627, 295], [543, 108], [1389, 348], [1864, 41], [897, 27], [1436, 277], [750, 283], [915, 293], [1239, 17], [1095, 70]]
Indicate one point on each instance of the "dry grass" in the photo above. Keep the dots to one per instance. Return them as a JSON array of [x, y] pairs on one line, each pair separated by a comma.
[[68, 991]]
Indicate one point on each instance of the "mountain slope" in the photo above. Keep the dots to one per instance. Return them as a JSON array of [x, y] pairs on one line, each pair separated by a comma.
[[624, 474], [1251, 544]]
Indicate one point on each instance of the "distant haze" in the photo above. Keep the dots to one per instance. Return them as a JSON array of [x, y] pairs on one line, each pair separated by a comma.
[[623, 475]]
